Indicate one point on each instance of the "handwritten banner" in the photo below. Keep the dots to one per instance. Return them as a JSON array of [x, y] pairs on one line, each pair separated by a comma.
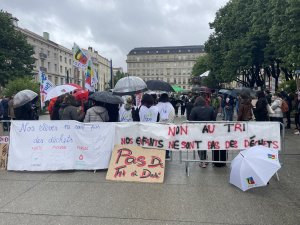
[[60, 145], [133, 163], [200, 136]]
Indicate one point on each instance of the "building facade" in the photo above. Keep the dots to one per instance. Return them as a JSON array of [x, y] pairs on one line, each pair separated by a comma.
[[55, 60], [171, 64]]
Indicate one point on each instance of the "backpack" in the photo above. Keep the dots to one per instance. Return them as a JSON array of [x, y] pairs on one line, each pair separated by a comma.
[[284, 106]]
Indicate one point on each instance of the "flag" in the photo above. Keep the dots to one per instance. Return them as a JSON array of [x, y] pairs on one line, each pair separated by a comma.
[[88, 76], [79, 57], [45, 86]]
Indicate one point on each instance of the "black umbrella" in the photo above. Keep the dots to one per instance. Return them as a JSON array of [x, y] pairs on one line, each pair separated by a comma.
[[159, 85], [107, 97]]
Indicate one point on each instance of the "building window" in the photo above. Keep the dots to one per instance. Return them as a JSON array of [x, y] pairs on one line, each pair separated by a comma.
[[60, 69], [66, 69], [55, 68], [48, 53], [60, 58], [61, 80], [49, 66], [65, 59], [55, 55], [174, 80], [50, 78], [56, 81]]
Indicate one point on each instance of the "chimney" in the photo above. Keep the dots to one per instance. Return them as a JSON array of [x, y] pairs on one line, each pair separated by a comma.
[[46, 35], [90, 49], [96, 52]]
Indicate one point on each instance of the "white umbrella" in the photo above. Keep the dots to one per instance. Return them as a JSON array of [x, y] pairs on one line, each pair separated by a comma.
[[59, 90], [254, 167], [23, 97], [205, 74], [129, 85]]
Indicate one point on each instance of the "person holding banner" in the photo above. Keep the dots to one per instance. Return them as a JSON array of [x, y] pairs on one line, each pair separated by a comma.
[[148, 112], [166, 112], [126, 111], [202, 112], [69, 109], [97, 113]]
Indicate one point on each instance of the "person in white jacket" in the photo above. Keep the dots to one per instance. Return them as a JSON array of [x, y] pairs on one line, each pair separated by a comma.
[[148, 112], [165, 109], [125, 111], [276, 106]]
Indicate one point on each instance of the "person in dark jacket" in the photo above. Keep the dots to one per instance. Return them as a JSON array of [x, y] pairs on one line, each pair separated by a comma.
[[288, 113], [245, 108], [55, 112], [202, 112], [70, 109], [260, 110]]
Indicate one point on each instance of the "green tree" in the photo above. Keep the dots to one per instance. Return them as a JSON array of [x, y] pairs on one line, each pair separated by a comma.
[[15, 53], [118, 76], [253, 35], [19, 84]]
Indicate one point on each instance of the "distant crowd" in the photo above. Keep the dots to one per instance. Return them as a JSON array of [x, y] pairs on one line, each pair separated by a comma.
[[165, 107]]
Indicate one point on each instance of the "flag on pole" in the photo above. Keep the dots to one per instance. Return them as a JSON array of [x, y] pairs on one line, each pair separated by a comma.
[[79, 57], [89, 75], [45, 86]]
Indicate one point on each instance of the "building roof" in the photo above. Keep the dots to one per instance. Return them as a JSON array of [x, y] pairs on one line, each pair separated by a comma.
[[167, 50]]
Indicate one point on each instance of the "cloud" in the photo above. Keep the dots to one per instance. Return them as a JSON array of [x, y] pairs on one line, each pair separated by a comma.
[[117, 26]]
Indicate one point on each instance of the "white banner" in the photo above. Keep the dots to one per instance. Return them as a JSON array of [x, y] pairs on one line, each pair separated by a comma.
[[68, 145], [60, 145], [200, 136]]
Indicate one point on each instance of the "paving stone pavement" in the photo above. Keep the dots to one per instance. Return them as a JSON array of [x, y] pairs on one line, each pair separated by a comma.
[[205, 197]]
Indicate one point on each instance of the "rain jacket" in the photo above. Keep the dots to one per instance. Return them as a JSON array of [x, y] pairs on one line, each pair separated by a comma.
[[96, 114]]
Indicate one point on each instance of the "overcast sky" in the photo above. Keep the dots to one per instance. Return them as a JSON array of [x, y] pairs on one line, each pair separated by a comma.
[[114, 27]]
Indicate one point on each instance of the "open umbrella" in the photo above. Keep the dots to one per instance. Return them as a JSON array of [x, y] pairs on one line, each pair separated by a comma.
[[254, 167], [228, 92], [23, 97], [107, 97], [177, 88], [129, 85], [159, 85], [59, 90]]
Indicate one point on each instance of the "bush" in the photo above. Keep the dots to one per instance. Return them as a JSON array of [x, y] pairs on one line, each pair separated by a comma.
[[19, 84], [288, 86]]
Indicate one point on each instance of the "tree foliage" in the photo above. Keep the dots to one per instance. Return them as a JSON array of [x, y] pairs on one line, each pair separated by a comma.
[[19, 84], [118, 76], [254, 40], [15, 53]]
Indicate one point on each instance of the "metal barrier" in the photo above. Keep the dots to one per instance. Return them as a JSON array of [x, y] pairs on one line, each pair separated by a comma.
[[230, 153]]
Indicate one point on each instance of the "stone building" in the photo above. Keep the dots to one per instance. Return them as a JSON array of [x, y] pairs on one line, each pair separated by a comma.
[[55, 60], [172, 64]]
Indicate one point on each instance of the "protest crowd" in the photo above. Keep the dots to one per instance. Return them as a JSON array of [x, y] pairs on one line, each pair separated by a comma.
[[163, 107]]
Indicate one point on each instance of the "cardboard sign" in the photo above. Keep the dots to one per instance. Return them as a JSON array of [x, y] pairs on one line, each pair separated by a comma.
[[3, 151], [3, 156], [134, 163]]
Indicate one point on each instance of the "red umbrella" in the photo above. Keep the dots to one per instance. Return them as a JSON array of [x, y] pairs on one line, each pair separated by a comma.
[[75, 85], [81, 95]]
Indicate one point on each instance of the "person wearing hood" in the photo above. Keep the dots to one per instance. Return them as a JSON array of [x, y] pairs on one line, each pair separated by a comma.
[[126, 110], [202, 112], [69, 109], [97, 113], [245, 108]]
